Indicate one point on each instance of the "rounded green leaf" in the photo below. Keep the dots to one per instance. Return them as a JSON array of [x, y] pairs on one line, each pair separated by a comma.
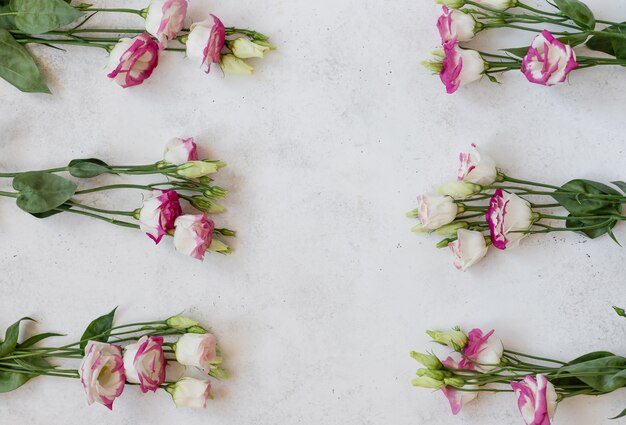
[[41, 192], [41, 16], [88, 168], [578, 12]]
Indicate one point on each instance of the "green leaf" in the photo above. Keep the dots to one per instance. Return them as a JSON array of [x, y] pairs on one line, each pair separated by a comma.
[[10, 381], [621, 415], [36, 338], [578, 12], [6, 22], [40, 192], [88, 168], [614, 46], [620, 311], [99, 329], [621, 185], [595, 229], [18, 67], [10, 338], [41, 16], [604, 374], [580, 205]]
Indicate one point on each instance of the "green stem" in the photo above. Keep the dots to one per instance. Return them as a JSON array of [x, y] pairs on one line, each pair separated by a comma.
[[86, 207], [100, 217], [9, 194], [69, 42], [133, 11], [49, 170]]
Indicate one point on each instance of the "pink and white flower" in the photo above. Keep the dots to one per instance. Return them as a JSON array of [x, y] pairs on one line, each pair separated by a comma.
[[165, 19], [458, 399], [434, 211], [190, 392], [548, 61], [158, 213], [469, 248], [205, 42], [456, 25], [477, 168], [145, 363], [132, 60], [199, 350], [193, 234], [179, 151], [508, 217], [536, 399], [482, 352], [102, 373], [460, 66]]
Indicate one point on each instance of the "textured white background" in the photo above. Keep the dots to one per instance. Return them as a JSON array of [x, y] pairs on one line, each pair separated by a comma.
[[327, 291]]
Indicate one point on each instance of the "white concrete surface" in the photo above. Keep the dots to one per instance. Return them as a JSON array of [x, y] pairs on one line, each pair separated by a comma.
[[327, 291]]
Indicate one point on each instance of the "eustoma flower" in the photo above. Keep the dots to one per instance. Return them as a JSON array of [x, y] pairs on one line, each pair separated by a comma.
[[102, 373], [435, 210], [243, 48], [145, 364], [477, 168], [548, 61], [193, 234], [508, 216], [205, 42], [469, 248], [165, 19], [460, 66], [459, 398], [190, 392], [536, 399], [159, 213], [199, 350], [179, 151], [482, 352], [457, 25], [133, 60]]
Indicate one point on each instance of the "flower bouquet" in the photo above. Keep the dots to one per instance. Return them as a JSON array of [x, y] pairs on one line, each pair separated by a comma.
[[480, 363], [149, 355], [548, 59], [134, 52], [484, 199], [181, 177]]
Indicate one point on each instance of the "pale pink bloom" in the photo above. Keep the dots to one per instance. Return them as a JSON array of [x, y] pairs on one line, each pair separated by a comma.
[[198, 350], [133, 60], [193, 234], [205, 42], [190, 392], [456, 24], [536, 399], [159, 213], [102, 373], [165, 19], [178, 151], [434, 211], [477, 168], [548, 61], [145, 363], [468, 249], [508, 217], [458, 399], [460, 66]]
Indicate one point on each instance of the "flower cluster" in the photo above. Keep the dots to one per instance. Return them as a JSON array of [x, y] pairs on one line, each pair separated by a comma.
[[480, 363], [485, 207], [134, 52], [151, 355], [548, 59], [186, 178]]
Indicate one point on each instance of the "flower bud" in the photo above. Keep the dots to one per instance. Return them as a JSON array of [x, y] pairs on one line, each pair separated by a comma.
[[231, 64], [455, 338], [439, 375], [243, 48], [436, 67], [419, 228], [429, 360], [453, 4], [197, 169], [215, 192], [196, 330], [452, 228], [219, 247], [205, 205], [459, 189], [426, 382], [180, 322], [454, 382]]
